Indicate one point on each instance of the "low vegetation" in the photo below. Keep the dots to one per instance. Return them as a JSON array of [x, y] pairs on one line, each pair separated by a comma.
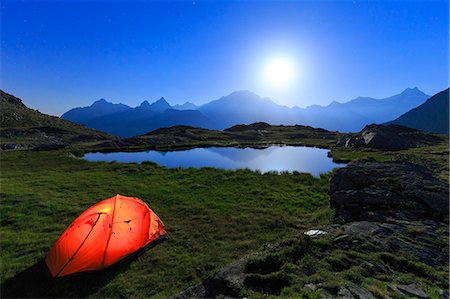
[[212, 216]]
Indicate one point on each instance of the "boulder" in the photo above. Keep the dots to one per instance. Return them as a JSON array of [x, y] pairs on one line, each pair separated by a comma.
[[373, 190], [390, 137], [228, 282]]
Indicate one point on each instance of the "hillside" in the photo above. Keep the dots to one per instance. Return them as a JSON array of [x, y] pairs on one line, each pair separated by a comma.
[[431, 116], [22, 127], [254, 135]]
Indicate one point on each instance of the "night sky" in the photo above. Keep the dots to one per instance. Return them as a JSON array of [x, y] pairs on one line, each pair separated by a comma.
[[59, 55]]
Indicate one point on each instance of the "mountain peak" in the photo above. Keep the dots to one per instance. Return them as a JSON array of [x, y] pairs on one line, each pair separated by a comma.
[[160, 105], [245, 93], [413, 90], [162, 100], [185, 106], [100, 102], [145, 104]]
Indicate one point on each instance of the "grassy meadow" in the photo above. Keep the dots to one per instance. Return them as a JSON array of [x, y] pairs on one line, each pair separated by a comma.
[[212, 216]]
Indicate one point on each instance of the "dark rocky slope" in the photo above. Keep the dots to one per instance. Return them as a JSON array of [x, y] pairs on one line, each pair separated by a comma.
[[22, 127], [431, 116]]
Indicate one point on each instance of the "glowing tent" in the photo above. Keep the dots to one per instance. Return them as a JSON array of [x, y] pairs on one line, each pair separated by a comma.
[[104, 234]]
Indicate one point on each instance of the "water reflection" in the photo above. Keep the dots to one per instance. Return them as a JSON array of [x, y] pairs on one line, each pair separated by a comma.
[[274, 158]]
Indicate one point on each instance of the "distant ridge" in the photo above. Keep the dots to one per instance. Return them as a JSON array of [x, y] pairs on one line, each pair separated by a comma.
[[244, 107], [185, 106], [431, 116], [160, 105], [99, 108], [124, 121]]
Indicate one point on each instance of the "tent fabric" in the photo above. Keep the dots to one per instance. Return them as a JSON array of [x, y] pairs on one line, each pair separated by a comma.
[[104, 234]]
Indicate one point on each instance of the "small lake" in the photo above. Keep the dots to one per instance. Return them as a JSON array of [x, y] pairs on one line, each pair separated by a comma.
[[274, 158]]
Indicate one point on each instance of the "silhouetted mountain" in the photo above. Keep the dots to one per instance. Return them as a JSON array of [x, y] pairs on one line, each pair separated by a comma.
[[99, 108], [245, 107], [160, 105], [353, 115], [139, 121], [144, 105], [379, 110], [185, 106], [431, 116]]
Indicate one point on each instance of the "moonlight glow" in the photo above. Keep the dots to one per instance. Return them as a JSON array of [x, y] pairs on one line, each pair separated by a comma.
[[279, 72]]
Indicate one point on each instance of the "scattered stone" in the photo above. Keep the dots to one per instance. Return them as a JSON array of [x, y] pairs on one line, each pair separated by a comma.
[[359, 292], [315, 232], [310, 287], [443, 294], [226, 283], [344, 293], [326, 295], [412, 290], [340, 238]]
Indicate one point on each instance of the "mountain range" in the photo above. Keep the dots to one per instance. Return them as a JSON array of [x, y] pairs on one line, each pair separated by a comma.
[[243, 107]]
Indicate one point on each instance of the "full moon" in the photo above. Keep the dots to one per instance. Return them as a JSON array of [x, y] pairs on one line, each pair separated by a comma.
[[279, 72]]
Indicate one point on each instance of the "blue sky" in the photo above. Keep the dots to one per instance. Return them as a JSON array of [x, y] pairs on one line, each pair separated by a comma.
[[58, 55]]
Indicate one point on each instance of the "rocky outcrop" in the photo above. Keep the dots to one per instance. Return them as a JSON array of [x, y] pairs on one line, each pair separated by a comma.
[[254, 126], [228, 282], [372, 190], [390, 137]]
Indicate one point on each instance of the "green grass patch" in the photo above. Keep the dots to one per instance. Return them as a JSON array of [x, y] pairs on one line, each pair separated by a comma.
[[212, 216]]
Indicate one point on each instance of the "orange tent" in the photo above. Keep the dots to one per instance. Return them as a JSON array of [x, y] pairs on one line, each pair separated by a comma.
[[104, 234]]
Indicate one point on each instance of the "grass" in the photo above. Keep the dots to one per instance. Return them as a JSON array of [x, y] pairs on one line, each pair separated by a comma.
[[306, 260], [435, 157], [213, 216]]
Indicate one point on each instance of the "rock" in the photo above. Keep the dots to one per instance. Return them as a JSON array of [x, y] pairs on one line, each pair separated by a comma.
[[10, 146], [224, 284], [401, 236], [315, 232], [359, 292], [411, 290], [326, 295], [373, 190], [443, 294], [310, 287], [390, 137], [344, 293], [340, 238], [49, 147]]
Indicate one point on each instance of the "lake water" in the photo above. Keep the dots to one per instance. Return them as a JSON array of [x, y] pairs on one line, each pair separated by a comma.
[[275, 158]]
